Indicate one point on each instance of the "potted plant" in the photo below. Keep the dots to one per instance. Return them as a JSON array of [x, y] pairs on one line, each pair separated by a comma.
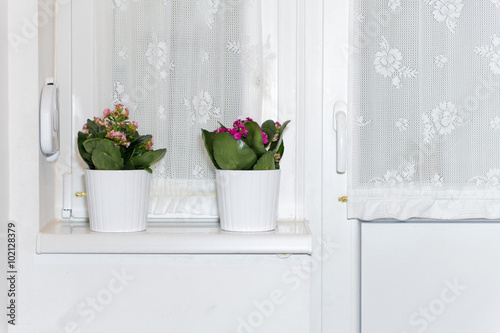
[[247, 161], [119, 173]]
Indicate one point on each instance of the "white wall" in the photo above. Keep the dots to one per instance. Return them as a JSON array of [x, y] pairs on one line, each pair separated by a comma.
[[4, 151], [94, 293], [23, 144], [4, 107]]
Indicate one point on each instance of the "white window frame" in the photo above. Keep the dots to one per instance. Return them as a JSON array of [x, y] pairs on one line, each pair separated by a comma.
[[74, 63]]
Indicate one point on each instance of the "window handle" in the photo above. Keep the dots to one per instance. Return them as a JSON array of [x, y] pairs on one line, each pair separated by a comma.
[[49, 120], [340, 126]]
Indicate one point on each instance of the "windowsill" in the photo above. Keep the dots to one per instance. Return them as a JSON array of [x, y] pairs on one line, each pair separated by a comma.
[[290, 237]]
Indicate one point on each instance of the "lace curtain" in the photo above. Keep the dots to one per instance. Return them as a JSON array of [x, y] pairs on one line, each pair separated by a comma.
[[425, 120], [180, 66]]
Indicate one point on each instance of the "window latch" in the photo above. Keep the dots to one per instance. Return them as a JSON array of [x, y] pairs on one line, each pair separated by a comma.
[[340, 126]]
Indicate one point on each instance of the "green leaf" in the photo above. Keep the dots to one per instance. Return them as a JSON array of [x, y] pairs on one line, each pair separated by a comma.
[[280, 151], [87, 158], [232, 154], [148, 158], [100, 135], [265, 162], [139, 141], [128, 166], [208, 140], [269, 127], [254, 138], [106, 156], [91, 144], [92, 127], [277, 144], [127, 154]]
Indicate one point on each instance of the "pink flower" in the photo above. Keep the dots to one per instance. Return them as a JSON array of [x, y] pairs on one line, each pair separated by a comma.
[[85, 128], [114, 134], [106, 112], [237, 136], [233, 131], [265, 139], [149, 144]]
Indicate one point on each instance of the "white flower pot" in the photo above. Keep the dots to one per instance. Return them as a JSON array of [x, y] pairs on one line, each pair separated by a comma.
[[117, 199], [248, 200]]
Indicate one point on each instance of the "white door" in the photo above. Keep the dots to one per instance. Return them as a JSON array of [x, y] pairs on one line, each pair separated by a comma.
[[340, 269], [312, 40], [430, 277]]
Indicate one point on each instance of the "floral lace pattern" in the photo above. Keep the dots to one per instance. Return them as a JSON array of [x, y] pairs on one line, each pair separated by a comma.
[[123, 53], [122, 4], [198, 172], [362, 122], [388, 63], [442, 120], [157, 56], [157, 52], [492, 52], [495, 123], [394, 178], [448, 11], [204, 56], [402, 124], [490, 180], [394, 4], [209, 10], [201, 108], [162, 113], [440, 61], [437, 180], [425, 110], [120, 96]]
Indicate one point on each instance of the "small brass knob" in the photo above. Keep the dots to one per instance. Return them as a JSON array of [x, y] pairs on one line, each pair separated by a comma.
[[343, 199], [80, 194]]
